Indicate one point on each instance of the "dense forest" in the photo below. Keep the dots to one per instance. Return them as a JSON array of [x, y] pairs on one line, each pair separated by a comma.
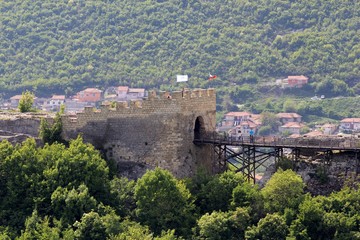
[[69, 192], [63, 46]]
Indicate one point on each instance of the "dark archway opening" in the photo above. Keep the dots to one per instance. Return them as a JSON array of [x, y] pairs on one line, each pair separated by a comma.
[[199, 128]]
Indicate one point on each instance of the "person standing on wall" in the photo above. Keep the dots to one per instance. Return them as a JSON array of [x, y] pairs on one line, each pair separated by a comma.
[[239, 135], [251, 136]]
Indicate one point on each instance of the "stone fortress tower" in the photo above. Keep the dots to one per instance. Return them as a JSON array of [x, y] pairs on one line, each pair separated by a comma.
[[157, 131]]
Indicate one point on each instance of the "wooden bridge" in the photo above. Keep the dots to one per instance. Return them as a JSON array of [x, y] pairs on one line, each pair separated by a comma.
[[246, 154]]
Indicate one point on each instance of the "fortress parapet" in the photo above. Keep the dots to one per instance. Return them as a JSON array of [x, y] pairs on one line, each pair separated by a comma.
[[156, 131], [166, 101]]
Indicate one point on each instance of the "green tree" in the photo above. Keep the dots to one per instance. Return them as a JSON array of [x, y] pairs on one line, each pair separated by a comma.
[[272, 227], [38, 228], [90, 226], [79, 164], [69, 206], [309, 222], [216, 195], [163, 203], [289, 106], [270, 119], [133, 230], [247, 195], [223, 225], [22, 172], [26, 101], [122, 195], [285, 189], [51, 134], [215, 226]]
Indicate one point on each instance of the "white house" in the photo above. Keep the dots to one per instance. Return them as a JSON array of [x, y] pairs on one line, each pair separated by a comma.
[[135, 93], [350, 124], [54, 103], [235, 118]]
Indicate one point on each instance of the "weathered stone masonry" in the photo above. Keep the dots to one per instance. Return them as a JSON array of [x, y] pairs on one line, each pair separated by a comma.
[[157, 131]]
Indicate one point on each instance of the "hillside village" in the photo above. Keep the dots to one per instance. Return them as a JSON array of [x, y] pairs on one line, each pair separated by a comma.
[[239, 124], [87, 97], [234, 124]]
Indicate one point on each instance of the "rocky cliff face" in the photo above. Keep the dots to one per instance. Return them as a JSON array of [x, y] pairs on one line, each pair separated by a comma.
[[16, 127], [324, 177]]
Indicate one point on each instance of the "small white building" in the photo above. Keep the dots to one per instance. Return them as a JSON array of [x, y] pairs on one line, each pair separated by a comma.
[[135, 93], [54, 103]]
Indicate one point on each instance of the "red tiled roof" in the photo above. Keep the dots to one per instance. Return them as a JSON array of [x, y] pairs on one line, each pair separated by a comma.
[[238, 114], [329, 125], [288, 115], [58, 97], [92, 90], [122, 88], [16, 97], [350, 120], [294, 135], [313, 134], [137, 90], [248, 123], [301, 77], [292, 125]]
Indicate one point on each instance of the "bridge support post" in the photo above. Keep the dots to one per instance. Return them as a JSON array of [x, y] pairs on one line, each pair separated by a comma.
[[220, 158]]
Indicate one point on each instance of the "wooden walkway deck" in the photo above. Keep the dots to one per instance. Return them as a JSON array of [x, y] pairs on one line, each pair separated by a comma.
[[315, 143]]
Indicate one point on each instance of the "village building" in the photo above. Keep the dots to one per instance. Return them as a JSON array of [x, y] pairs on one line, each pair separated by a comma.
[[291, 128], [89, 95], [297, 81], [315, 133], [54, 103], [329, 129], [122, 92], [235, 118], [288, 117], [14, 101], [350, 124], [135, 93]]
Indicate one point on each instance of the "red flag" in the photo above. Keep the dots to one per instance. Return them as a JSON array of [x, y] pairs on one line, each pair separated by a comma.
[[211, 77]]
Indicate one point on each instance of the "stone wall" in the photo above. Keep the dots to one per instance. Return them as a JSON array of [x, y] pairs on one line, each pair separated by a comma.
[[16, 127], [157, 131]]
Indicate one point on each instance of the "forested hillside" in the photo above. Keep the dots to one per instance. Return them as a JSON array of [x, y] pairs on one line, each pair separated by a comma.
[[62, 46]]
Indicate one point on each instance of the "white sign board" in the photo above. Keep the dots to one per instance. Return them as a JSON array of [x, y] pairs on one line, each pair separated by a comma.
[[182, 78]]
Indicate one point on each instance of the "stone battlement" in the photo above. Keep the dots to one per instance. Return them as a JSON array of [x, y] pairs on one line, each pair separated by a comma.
[[155, 102], [156, 131]]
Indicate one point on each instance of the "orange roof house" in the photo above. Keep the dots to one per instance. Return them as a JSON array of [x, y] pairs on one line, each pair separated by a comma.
[[288, 117], [89, 95], [291, 127], [297, 81], [350, 124]]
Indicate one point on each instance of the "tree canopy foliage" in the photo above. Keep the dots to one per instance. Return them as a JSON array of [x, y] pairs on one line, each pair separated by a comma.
[[66, 192], [61, 46]]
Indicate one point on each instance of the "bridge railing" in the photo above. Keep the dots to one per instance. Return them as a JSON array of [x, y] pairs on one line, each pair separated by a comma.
[[271, 141]]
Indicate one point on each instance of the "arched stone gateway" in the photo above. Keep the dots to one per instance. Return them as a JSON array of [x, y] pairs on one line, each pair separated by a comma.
[[199, 128]]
